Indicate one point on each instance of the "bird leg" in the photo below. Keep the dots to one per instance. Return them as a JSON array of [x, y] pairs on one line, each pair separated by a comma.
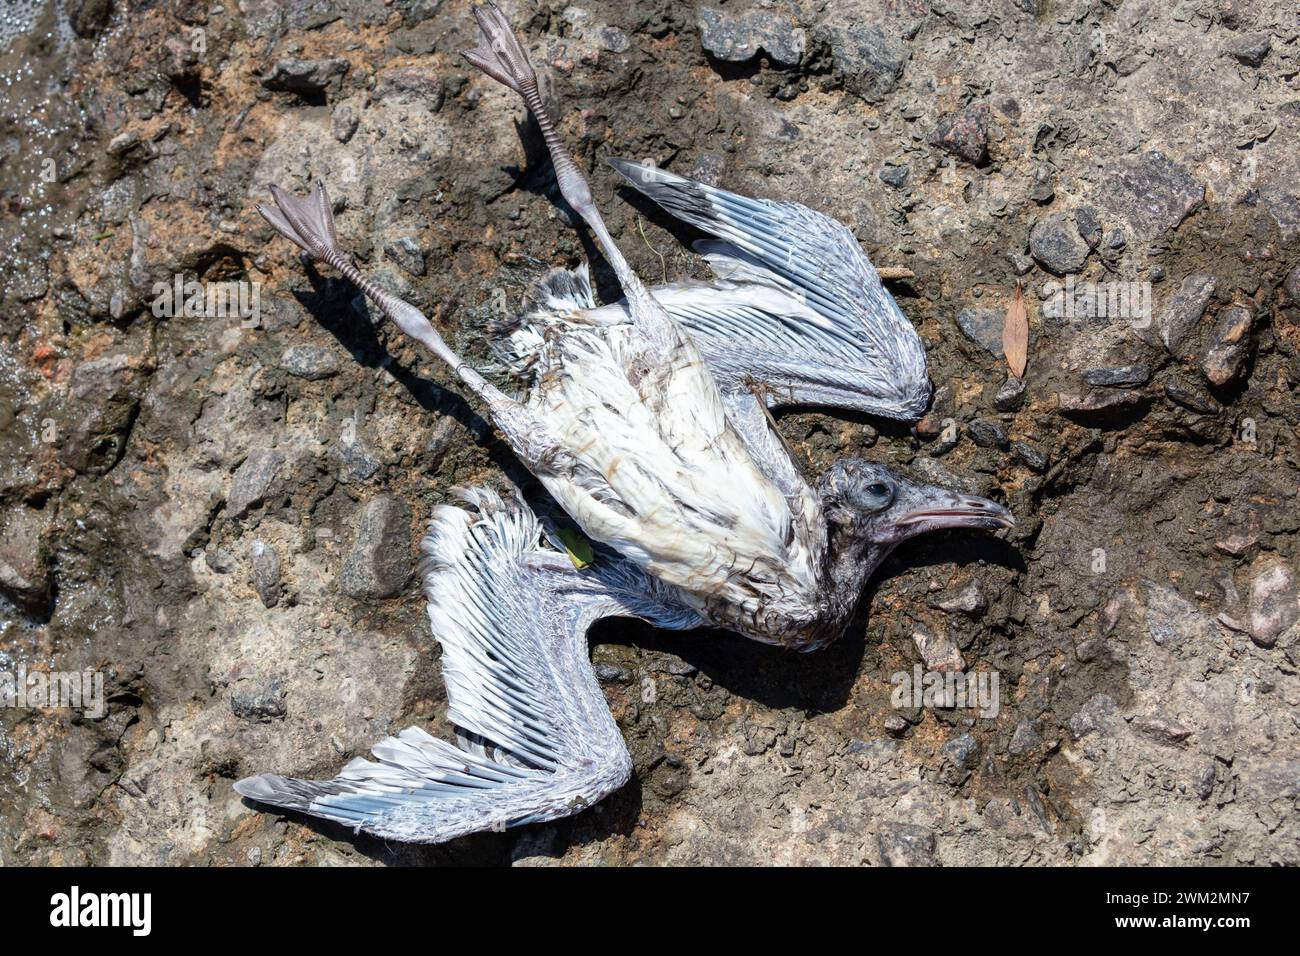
[[309, 223], [501, 56]]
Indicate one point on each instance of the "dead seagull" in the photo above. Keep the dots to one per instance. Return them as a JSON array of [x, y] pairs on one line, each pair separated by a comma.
[[648, 423]]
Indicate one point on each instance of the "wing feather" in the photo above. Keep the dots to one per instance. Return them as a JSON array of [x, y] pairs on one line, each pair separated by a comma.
[[537, 741], [805, 310]]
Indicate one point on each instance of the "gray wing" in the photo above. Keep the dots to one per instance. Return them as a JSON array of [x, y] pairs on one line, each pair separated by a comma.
[[799, 308], [753, 422], [536, 739]]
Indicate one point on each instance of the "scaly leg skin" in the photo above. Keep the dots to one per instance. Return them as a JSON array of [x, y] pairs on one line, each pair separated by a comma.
[[501, 56], [309, 224]]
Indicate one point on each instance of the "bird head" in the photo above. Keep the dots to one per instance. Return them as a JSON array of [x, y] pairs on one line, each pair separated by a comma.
[[876, 508]]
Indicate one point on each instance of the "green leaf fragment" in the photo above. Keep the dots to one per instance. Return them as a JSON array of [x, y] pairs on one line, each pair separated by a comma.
[[579, 548]]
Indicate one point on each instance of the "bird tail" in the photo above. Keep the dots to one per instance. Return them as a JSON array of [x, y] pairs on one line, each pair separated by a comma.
[[558, 298]]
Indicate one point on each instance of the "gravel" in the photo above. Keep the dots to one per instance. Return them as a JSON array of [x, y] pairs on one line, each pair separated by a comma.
[[260, 701], [895, 176], [868, 62], [969, 600], [25, 560], [965, 134], [307, 78], [312, 362], [1092, 717], [1097, 406], [1192, 397], [252, 481], [1118, 376], [1161, 729], [406, 252], [983, 327], [961, 752], [1185, 309], [1274, 604], [1057, 246], [1033, 456], [1152, 192], [381, 560], [1293, 285], [736, 38], [1249, 49], [938, 652], [1229, 345], [1011, 395], [987, 433], [906, 844], [265, 566]]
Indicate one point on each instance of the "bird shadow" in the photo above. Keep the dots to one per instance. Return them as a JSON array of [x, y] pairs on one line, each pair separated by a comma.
[[780, 679], [652, 212], [537, 178], [955, 547], [777, 678], [340, 309]]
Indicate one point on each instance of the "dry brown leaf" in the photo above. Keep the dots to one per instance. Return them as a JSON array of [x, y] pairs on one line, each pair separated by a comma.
[[1015, 334]]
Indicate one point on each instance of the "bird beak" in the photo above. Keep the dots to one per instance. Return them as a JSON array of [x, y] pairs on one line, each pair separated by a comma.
[[939, 509]]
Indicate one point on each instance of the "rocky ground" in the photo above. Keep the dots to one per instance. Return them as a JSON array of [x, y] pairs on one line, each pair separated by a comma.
[[221, 515]]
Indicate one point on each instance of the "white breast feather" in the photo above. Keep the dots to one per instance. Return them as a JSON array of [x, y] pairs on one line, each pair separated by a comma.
[[663, 479]]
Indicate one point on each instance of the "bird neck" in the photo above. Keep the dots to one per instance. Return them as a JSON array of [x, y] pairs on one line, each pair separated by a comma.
[[852, 563]]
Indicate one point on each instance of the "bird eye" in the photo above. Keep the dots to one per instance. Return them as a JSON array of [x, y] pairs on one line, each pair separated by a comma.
[[878, 489]]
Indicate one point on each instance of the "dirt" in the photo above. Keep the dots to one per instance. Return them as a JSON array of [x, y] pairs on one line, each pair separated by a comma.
[[1140, 618]]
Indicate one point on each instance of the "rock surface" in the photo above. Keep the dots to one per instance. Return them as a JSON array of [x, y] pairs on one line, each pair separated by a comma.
[[1119, 376], [1011, 395], [983, 327], [906, 844], [1249, 49], [310, 362], [309, 78], [737, 38], [868, 60], [1153, 192]]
